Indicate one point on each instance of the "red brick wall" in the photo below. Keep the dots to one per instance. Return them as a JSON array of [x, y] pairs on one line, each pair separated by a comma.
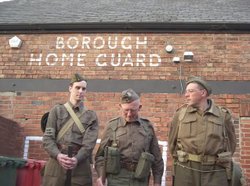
[[216, 57], [11, 138], [245, 138]]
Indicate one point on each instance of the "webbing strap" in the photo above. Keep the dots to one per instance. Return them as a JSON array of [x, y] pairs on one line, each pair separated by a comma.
[[75, 118], [201, 158], [64, 129]]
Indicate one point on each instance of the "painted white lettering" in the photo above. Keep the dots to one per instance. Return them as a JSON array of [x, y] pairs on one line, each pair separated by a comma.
[[98, 63], [115, 43], [140, 58], [143, 43], [113, 60], [151, 56], [72, 42], [33, 59], [123, 43], [128, 60], [54, 59], [80, 58], [60, 43], [85, 42], [69, 58], [99, 41]]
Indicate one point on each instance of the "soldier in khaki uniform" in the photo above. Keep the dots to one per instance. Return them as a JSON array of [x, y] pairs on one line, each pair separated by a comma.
[[81, 142], [201, 139], [129, 148]]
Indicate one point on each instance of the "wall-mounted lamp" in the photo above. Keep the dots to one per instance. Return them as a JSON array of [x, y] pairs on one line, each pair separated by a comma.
[[15, 42], [188, 56], [169, 48]]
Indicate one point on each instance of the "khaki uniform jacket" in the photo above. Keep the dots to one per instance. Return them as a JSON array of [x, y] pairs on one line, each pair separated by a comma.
[[85, 141], [202, 133], [132, 139], [57, 118]]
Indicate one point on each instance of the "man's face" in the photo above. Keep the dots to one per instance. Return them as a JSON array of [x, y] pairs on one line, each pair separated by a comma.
[[130, 110], [78, 90], [194, 94]]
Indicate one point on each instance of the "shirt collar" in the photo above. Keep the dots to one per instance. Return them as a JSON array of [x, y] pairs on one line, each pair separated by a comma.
[[124, 122], [79, 107], [212, 108]]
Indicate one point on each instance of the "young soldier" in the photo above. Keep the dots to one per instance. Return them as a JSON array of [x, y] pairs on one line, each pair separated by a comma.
[[201, 139], [71, 131], [128, 148]]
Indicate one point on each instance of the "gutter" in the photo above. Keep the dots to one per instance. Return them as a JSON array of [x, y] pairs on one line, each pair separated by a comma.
[[127, 27]]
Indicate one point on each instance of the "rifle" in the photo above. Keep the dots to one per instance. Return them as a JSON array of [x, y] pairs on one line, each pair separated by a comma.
[[68, 173]]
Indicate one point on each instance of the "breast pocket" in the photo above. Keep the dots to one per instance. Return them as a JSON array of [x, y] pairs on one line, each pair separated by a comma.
[[144, 139], [215, 127], [62, 119], [121, 137], [188, 127]]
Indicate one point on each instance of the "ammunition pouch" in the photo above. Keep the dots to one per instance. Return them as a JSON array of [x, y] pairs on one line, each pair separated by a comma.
[[144, 165], [225, 160], [112, 156], [238, 178]]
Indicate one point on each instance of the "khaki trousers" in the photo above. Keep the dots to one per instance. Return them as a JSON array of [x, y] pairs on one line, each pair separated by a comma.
[[125, 178], [187, 174], [55, 175]]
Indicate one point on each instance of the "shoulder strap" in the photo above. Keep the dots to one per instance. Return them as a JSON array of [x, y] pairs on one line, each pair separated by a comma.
[[64, 129], [75, 118]]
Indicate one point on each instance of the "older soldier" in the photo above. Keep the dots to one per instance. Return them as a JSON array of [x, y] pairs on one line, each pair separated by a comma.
[[201, 139], [129, 148], [71, 130]]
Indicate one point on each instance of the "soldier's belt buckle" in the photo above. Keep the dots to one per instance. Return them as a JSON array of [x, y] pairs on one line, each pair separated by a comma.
[[131, 166]]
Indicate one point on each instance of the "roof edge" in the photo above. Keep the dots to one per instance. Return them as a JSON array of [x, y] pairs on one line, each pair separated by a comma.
[[126, 27]]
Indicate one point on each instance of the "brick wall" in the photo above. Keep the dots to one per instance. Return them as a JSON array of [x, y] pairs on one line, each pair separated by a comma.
[[126, 56], [57, 56], [11, 138]]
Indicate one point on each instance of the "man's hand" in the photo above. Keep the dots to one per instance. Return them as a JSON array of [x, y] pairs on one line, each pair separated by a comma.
[[99, 182], [66, 162]]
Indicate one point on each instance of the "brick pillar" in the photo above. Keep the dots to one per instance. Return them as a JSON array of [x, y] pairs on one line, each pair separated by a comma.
[[245, 138]]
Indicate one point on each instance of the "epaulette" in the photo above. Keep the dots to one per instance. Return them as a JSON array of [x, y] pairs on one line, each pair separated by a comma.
[[113, 119], [224, 109], [182, 106]]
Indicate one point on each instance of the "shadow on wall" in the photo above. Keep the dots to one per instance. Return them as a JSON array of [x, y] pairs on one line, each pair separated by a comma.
[[11, 138]]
